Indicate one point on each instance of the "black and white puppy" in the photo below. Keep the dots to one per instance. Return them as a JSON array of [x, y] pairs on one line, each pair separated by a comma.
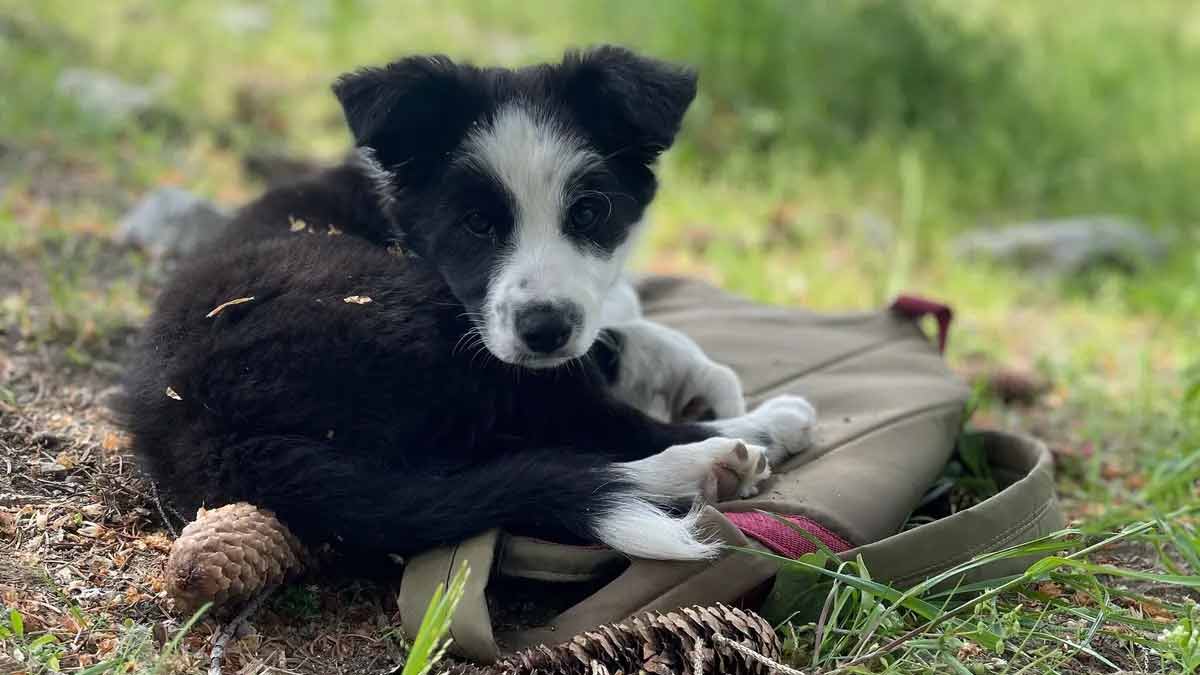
[[496, 372]]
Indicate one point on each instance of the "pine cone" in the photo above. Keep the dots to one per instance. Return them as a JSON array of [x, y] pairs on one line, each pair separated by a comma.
[[676, 643], [229, 554]]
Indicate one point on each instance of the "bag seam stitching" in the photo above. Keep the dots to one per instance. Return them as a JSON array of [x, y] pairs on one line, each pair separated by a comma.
[[841, 359]]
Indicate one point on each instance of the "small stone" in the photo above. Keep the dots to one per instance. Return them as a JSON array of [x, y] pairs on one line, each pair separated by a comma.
[[1066, 247], [244, 19], [105, 95], [172, 221]]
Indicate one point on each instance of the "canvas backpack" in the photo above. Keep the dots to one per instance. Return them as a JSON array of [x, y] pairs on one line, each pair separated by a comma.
[[890, 417]]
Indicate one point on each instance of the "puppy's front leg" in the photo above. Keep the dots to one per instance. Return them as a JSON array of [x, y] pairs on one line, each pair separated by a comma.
[[665, 373]]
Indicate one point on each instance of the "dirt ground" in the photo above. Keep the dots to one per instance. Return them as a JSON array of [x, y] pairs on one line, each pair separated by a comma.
[[83, 541]]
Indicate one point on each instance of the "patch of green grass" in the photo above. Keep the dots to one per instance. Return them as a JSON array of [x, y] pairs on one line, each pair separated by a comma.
[[298, 601], [40, 653]]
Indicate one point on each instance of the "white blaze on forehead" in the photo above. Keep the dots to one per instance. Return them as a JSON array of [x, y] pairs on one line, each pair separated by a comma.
[[537, 160]]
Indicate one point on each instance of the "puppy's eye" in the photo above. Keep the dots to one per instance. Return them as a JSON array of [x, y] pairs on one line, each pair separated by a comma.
[[587, 213], [478, 224]]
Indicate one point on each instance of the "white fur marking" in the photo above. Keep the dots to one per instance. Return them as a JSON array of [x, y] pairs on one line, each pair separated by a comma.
[[636, 527]]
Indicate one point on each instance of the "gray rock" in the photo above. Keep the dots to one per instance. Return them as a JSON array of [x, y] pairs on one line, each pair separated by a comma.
[[245, 19], [105, 95], [171, 221], [1064, 247], [877, 230]]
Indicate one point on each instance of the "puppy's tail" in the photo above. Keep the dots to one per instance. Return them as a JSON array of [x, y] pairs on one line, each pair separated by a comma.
[[634, 525], [544, 492]]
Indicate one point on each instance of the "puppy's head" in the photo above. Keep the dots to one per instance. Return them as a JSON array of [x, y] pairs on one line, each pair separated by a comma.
[[526, 187]]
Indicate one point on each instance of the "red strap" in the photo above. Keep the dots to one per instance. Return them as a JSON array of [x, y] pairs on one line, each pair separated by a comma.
[[784, 540], [915, 308]]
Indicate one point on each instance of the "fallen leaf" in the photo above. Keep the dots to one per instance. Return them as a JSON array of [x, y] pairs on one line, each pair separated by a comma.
[[1051, 589], [8, 524], [171, 393], [356, 300], [297, 225], [66, 460], [969, 650], [134, 596], [236, 301], [1156, 612], [1112, 472], [156, 583], [157, 542], [113, 441]]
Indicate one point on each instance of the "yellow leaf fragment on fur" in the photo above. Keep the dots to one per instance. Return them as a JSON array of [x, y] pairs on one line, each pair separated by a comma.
[[171, 393], [356, 300], [236, 301], [333, 231], [297, 225]]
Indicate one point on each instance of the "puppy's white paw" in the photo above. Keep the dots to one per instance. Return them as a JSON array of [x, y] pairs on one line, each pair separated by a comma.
[[748, 463], [710, 389], [784, 424], [703, 469]]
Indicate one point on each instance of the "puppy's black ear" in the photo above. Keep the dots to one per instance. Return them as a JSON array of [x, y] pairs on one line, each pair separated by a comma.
[[633, 105], [413, 109]]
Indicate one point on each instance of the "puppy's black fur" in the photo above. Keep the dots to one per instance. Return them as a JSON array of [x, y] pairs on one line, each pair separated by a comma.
[[370, 424]]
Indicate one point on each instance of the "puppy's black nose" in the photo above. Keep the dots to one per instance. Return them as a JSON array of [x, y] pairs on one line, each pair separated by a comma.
[[543, 328]]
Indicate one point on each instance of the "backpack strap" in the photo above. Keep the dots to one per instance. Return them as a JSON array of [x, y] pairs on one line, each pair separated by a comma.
[[471, 627], [916, 308]]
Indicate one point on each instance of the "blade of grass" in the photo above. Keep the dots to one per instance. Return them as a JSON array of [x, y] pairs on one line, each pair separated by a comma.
[[430, 643], [917, 605]]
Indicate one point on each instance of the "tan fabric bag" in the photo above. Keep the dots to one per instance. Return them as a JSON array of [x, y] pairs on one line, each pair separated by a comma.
[[890, 414]]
